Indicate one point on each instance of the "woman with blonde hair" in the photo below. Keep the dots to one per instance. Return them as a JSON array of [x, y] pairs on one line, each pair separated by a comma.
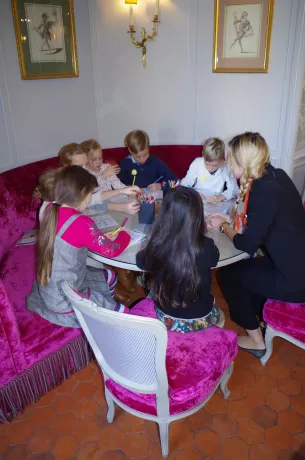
[[274, 220]]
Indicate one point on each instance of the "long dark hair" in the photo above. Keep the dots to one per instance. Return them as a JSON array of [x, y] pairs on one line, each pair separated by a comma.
[[71, 185], [169, 257]]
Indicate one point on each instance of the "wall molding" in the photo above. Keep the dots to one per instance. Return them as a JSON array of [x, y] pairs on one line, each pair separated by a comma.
[[7, 113], [96, 59], [299, 172], [288, 74], [295, 91], [299, 159]]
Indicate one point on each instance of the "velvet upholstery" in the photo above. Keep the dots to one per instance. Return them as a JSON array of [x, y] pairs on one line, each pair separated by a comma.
[[177, 157], [18, 208], [195, 363], [286, 317], [27, 340]]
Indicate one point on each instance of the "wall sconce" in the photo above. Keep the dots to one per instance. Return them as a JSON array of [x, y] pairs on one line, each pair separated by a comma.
[[144, 37]]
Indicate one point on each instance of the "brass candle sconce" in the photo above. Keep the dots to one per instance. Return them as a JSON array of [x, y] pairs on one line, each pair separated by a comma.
[[144, 36]]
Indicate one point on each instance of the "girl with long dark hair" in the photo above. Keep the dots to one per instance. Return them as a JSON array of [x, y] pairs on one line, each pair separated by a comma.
[[177, 260]]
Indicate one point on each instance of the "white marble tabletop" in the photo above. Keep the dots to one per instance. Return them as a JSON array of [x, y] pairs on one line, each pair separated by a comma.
[[127, 260]]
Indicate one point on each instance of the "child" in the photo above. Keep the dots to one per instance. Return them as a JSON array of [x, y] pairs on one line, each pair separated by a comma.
[[73, 154], [45, 191], [209, 174], [104, 173], [148, 168], [64, 239], [177, 260]]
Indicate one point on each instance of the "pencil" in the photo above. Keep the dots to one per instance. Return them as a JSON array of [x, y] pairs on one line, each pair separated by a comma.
[[161, 177], [118, 229]]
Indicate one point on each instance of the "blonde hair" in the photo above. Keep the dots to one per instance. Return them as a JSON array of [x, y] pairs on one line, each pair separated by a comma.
[[213, 149], [90, 145], [45, 188], [251, 152], [67, 152], [71, 185], [136, 141]]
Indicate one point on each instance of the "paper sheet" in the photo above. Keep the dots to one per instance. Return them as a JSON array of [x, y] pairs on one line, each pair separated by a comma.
[[104, 220], [94, 210], [136, 237], [29, 237], [223, 207]]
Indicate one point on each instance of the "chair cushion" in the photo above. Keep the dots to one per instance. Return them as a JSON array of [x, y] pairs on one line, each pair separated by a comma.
[[195, 363], [34, 338], [286, 317]]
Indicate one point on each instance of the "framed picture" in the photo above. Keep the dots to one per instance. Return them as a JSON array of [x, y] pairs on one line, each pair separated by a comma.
[[242, 34], [45, 36]]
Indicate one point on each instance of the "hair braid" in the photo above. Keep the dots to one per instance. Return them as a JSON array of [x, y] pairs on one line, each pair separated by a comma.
[[250, 151], [245, 183]]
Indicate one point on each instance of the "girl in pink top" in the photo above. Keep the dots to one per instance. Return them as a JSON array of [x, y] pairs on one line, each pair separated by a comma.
[[65, 237]]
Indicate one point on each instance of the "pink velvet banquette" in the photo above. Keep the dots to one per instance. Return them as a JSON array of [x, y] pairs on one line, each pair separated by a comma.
[[36, 355]]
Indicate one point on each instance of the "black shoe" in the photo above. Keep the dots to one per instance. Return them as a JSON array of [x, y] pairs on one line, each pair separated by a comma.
[[257, 353]]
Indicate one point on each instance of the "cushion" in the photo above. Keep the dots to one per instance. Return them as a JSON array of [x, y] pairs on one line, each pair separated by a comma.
[[31, 338], [286, 317], [18, 208], [195, 363]]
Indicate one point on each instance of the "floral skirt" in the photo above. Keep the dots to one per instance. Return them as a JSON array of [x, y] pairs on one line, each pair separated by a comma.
[[188, 325]]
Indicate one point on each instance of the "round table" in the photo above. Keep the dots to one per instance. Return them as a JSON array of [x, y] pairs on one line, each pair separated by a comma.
[[127, 260]]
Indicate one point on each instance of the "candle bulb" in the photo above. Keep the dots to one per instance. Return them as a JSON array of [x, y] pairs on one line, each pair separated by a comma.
[[157, 7], [131, 16]]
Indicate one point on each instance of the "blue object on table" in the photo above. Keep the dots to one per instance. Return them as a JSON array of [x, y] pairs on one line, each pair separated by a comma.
[[147, 213]]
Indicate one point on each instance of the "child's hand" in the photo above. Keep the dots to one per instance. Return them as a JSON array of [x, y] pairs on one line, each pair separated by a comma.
[[215, 199], [202, 196], [215, 222], [224, 217], [111, 170], [110, 236], [132, 191], [131, 208], [154, 187]]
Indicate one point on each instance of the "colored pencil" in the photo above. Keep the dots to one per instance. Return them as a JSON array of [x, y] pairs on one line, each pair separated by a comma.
[[154, 182], [118, 229], [158, 180]]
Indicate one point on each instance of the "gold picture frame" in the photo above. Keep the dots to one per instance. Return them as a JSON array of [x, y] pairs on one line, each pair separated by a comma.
[[46, 39], [242, 36]]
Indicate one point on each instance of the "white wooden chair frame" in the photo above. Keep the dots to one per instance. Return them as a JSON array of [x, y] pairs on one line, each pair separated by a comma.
[[160, 386], [269, 336]]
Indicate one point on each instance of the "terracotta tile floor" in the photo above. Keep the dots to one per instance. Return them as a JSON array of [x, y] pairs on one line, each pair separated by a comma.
[[262, 420]]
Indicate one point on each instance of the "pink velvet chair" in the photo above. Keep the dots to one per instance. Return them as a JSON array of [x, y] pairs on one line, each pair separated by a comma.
[[149, 372], [286, 320]]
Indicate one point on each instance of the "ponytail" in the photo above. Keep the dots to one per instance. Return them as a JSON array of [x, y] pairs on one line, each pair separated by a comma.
[[46, 242]]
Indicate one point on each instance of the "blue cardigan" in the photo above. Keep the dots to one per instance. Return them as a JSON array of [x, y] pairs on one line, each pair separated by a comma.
[[147, 173]]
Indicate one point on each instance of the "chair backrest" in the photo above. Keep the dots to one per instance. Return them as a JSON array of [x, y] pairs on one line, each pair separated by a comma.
[[131, 350]]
